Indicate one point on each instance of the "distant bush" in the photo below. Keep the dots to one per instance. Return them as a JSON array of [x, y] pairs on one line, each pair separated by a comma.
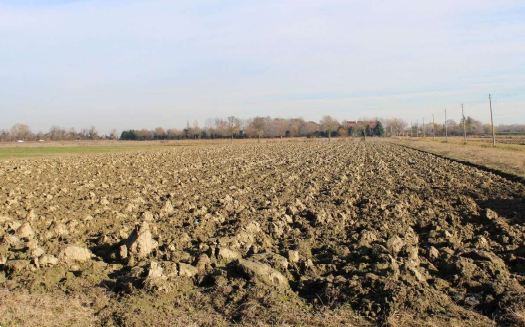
[[128, 135]]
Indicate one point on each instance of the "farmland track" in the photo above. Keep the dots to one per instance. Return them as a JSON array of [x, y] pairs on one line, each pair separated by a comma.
[[375, 226]]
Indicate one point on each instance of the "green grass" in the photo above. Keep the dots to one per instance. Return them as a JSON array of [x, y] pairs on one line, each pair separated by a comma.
[[28, 152]]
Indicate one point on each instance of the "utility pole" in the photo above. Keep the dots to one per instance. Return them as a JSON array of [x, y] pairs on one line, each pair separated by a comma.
[[446, 127], [492, 122], [464, 128], [433, 128]]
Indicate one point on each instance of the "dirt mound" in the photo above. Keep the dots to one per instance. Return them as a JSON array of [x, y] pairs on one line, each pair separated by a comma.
[[368, 233]]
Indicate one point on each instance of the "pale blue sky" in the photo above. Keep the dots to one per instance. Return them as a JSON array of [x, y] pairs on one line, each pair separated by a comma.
[[133, 64]]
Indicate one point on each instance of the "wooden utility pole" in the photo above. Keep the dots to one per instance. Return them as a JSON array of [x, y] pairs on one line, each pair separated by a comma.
[[433, 128], [492, 122], [446, 127], [464, 126]]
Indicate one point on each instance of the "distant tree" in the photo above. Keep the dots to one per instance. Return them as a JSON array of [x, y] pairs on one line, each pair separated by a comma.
[[72, 134], [342, 132], [269, 127], [21, 131], [221, 127], [4, 135], [147, 134], [187, 131], [57, 133], [258, 124], [329, 124], [159, 133], [53, 133], [436, 128], [113, 135], [487, 129], [474, 126], [450, 127], [128, 135], [174, 133], [513, 128], [396, 125], [196, 130], [281, 126], [209, 125], [93, 133], [83, 134], [368, 130], [451, 123], [362, 128], [294, 126], [378, 130], [309, 128]]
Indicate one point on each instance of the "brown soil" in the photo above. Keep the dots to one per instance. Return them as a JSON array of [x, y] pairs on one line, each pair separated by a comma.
[[508, 159], [310, 234]]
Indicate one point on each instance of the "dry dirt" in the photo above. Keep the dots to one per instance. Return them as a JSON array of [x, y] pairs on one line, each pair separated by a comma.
[[519, 140], [297, 234]]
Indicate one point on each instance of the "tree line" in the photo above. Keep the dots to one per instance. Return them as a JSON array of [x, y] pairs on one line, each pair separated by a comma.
[[267, 127], [22, 132], [257, 127]]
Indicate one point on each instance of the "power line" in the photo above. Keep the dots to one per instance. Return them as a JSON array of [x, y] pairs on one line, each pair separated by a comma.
[[510, 93]]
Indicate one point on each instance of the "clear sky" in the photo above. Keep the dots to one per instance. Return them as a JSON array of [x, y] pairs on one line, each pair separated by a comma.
[[142, 64]]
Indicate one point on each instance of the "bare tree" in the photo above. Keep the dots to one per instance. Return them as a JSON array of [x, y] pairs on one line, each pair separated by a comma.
[[209, 126], [309, 128], [20, 131], [329, 124], [220, 127], [173, 133], [258, 124], [196, 130], [281, 126], [396, 125], [93, 133], [295, 125], [83, 134], [144, 134], [72, 134], [113, 135], [487, 128], [361, 128], [159, 133], [4, 135], [57, 133]]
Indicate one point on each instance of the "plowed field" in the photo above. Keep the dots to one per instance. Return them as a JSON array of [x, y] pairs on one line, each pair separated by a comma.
[[307, 233]]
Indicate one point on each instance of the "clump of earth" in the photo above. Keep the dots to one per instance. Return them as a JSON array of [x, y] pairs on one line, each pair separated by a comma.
[[312, 233]]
